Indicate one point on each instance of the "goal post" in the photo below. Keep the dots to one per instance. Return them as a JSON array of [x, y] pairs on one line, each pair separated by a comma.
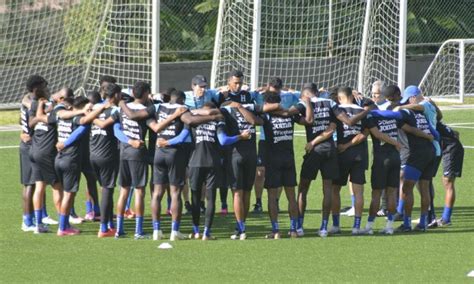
[[329, 42], [450, 76]]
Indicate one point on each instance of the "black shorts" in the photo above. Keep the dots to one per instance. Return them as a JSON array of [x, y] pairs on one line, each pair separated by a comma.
[[133, 173], [436, 166], [106, 172], [423, 159], [86, 166], [351, 165], [386, 170], [326, 162], [169, 166], [453, 159], [188, 149], [204, 175], [26, 167], [261, 153], [225, 158], [43, 167], [241, 169], [280, 171], [68, 171]]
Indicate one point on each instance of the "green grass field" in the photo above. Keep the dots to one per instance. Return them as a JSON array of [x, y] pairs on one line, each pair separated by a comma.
[[440, 255]]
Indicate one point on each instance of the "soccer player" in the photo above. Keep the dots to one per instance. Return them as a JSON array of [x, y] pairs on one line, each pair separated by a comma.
[[105, 80], [352, 160], [280, 162]]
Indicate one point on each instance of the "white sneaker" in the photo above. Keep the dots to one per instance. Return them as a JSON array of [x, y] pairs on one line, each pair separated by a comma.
[[387, 231], [367, 231], [334, 230], [158, 235], [75, 220], [176, 235], [235, 236], [26, 228], [356, 231], [323, 233], [243, 236], [41, 228], [49, 221], [195, 236], [415, 221], [300, 232], [350, 212]]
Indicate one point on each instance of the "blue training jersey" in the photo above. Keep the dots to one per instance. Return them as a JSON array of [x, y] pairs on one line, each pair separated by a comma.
[[430, 114], [193, 102]]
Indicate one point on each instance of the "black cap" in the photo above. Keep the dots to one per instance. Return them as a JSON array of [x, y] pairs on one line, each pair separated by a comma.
[[311, 86], [199, 80]]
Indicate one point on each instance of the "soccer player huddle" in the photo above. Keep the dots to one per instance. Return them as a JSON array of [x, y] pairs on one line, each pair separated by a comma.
[[206, 139]]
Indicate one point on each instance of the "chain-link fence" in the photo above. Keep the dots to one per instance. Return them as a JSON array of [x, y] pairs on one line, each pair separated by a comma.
[[188, 27]]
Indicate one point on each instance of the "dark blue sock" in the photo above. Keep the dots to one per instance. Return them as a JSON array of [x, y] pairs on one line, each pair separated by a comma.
[[447, 212], [44, 211], [407, 221], [111, 224], [300, 222], [139, 225], [156, 225], [224, 205], [371, 218], [168, 203], [237, 227], [175, 225], [357, 220], [242, 226], [423, 219], [73, 212], [335, 220], [207, 231], [195, 229], [353, 200], [39, 217], [103, 227], [275, 227], [96, 209], [324, 224], [27, 220], [67, 222], [390, 216], [88, 206], [62, 222], [293, 224], [120, 224], [400, 207]]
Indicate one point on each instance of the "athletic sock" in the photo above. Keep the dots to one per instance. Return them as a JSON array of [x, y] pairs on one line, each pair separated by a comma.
[[242, 226], [67, 222], [120, 224], [27, 220], [275, 227], [400, 207], [111, 224], [423, 220], [62, 222], [324, 224], [73, 212], [293, 224], [407, 221], [103, 227], [353, 200], [175, 225], [88, 206], [96, 209], [139, 225], [371, 219], [156, 225], [390, 216], [207, 231], [195, 229], [39, 217], [335, 220], [447, 211], [44, 212], [357, 220], [300, 222], [259, 201]]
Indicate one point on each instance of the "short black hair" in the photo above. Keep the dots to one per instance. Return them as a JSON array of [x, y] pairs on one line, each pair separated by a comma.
[[80, 102], [165, 95], [311, 87], [69, 92], [391, 91], [140, 89], [178, 94], [235, 73], [68, 101], [276, 83], [112, 90], [271, 97], [347, 91], [94, 97], [34, 81], [333, 90], [108, 79]]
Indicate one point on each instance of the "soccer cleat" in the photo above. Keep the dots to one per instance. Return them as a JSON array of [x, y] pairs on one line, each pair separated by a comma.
[[208, 238], [300, 232], [129, 214], [195, 236], [224, 212], [41, 228], [443, 223], [177, 235], [243, 236], [368, 230], [415, 221], [403, 229], [334, 230], [108, 234], [356, 232], [273, 236], [75, 220], [387, 231], [119, 235], [293, 234], [257, 208], [349, 213], [90, 216], [68, 232], [235, 236], [419, 228], [433, 224], [345, 210], [140, 237], [398, 217], [49, 221], [381, 212], [26, 228], [323, 233], [158, 235]]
